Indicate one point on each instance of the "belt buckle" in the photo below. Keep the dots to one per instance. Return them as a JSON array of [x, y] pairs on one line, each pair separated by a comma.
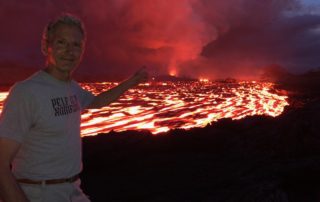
[[72, 179]]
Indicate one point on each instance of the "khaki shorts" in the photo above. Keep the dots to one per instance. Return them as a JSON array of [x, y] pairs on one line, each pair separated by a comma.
[[64, 192]]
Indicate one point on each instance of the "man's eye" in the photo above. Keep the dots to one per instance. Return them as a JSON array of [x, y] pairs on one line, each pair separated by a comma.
[[60, 42], [77, 44]]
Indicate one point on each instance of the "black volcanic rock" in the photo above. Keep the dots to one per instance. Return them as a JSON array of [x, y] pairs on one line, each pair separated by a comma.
[[257, 158], [227, 80], [172, 78], [254, 159]]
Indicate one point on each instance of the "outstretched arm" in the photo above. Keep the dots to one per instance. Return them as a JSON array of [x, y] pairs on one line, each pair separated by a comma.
[[109, 96], [10, 190]]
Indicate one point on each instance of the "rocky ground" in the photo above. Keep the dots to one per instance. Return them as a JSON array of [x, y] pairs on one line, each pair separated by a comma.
[[254, 159]]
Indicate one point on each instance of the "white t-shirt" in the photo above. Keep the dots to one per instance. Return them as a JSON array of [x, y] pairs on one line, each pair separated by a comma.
[[44, 115]]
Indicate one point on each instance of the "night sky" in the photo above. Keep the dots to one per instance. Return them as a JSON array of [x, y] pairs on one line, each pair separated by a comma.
[[196, 38]]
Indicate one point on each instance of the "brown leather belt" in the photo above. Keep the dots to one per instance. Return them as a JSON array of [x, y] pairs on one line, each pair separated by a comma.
[[53, 181]]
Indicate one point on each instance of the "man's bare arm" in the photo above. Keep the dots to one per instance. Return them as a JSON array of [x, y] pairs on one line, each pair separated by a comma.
[[107, 97], [10, 190]]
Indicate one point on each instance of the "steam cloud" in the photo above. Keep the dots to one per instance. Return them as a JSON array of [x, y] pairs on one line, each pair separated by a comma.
[[211, 38]]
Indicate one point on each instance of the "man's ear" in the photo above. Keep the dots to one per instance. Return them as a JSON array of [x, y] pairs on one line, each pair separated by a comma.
[[44, 48]]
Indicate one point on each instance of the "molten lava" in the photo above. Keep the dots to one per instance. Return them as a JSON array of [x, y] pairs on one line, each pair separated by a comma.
[[161, 106]]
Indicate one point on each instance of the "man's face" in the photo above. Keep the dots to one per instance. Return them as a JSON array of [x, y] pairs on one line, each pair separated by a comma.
[[65, 48]]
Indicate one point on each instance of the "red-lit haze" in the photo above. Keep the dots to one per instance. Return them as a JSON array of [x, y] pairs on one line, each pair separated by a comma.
[[211, 38]]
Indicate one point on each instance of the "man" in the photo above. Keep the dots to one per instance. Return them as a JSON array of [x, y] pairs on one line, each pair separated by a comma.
[[40, 122]]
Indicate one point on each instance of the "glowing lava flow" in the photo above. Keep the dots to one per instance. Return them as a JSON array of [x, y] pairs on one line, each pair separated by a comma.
[[161, 106], [3, 96]]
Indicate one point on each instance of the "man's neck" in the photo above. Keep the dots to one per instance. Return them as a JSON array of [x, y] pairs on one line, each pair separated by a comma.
[[62, 76]]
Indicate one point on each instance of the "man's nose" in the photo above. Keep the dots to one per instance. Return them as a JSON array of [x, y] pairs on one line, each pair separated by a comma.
[[70, 48]]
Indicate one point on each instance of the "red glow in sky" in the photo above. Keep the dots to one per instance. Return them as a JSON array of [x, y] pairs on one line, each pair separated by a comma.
[[198, 37]]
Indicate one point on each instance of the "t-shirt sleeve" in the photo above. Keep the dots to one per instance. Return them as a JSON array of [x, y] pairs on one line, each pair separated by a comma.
[[18, 113], [86, 97]]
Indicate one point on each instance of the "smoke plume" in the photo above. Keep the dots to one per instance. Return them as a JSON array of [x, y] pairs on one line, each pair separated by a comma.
[[196, 38]]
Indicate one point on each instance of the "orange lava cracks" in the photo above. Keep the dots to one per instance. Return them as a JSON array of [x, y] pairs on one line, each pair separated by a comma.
[[161, 106], [3, 96]]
